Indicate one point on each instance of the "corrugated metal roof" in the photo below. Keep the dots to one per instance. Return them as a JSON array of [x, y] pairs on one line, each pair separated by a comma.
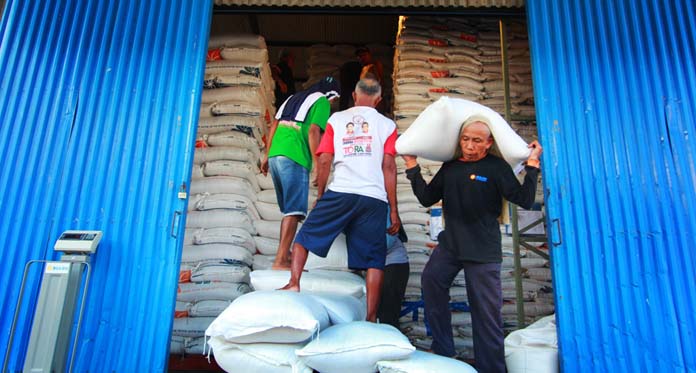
[[376, 3], [100, 102], [615, 92]]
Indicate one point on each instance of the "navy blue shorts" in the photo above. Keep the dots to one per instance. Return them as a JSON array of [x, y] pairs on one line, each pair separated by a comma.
[[362, 219]]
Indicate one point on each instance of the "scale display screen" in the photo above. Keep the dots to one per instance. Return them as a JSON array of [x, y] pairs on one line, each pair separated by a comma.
[[78, 236], [78, 241]]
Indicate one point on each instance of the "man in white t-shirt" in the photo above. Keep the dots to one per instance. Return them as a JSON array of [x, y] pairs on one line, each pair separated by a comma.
[[356, 202]]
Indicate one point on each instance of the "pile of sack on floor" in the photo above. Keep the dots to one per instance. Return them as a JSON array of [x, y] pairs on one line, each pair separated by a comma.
[[282, 331]]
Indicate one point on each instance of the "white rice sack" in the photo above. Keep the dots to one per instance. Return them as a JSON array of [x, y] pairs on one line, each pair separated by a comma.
[[266, 246], [182, 309], [223, 79], [265, 182], [412, 207], [237, 108], [419, 258], [209, 308], [241, 94], [236, 139], [216, 252], [227, 201], [188, 235], [267, 195], [205, 111], [406, 196], [534, 348], [254, 54], [191, 326], [220, 272], [434, 134], [342, 308], [253, 68], [269, 211], [421, 218], [262, 262], [355, 347], [420, 238], [198, 291], [414, 89], [257, 357], [424, 362], [268, 228], [197, 171], [270, 316], [195, 346], [223, 185], [176, 345], [217, 153], [322, 281], [220, 219], [336, 259], [237, 40], [233, 168], [226, 235], [418, 228], [210, 125], [462, 83]]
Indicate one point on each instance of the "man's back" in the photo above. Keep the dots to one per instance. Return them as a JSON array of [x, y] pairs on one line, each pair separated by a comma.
[[291, 138], [358, 155]]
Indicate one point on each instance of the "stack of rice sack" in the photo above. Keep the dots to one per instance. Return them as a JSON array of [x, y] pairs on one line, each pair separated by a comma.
[[326, 60], [460, 57], [519, 72], [282, 331], [239, 87], [427, 65], [260, 331], [218, 245], [537, 287]]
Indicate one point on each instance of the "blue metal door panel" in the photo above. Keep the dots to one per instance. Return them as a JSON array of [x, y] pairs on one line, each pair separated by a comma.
[[99, 110], [615, 90]]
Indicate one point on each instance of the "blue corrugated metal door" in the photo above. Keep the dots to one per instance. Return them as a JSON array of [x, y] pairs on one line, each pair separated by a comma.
[[99, 106], [615, 89]]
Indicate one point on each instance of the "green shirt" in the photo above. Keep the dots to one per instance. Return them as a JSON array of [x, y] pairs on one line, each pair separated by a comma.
[[292, 141]]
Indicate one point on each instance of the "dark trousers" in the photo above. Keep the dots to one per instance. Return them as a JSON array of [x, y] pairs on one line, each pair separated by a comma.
[[485, 302], [393, 289]]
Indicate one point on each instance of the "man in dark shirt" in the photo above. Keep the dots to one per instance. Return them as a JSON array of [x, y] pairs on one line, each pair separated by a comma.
[[283, 76], [471, 187]]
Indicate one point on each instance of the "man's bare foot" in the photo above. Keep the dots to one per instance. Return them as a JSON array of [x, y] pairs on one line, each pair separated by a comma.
[[281, 266], [290, 287]]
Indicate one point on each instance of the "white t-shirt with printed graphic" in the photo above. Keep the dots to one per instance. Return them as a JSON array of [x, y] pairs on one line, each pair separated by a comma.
[[359, 137]]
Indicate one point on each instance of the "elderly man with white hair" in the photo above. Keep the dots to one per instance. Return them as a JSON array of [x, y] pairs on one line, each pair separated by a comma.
[[472, 187]]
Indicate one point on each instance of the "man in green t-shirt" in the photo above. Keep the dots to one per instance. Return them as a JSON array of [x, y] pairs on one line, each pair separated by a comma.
[[290, 155]]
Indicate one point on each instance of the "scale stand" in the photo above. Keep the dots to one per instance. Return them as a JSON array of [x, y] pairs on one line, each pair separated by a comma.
[[47, 351]]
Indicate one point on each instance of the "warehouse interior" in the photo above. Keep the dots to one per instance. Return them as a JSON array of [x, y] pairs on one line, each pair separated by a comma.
[[321, 41]]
